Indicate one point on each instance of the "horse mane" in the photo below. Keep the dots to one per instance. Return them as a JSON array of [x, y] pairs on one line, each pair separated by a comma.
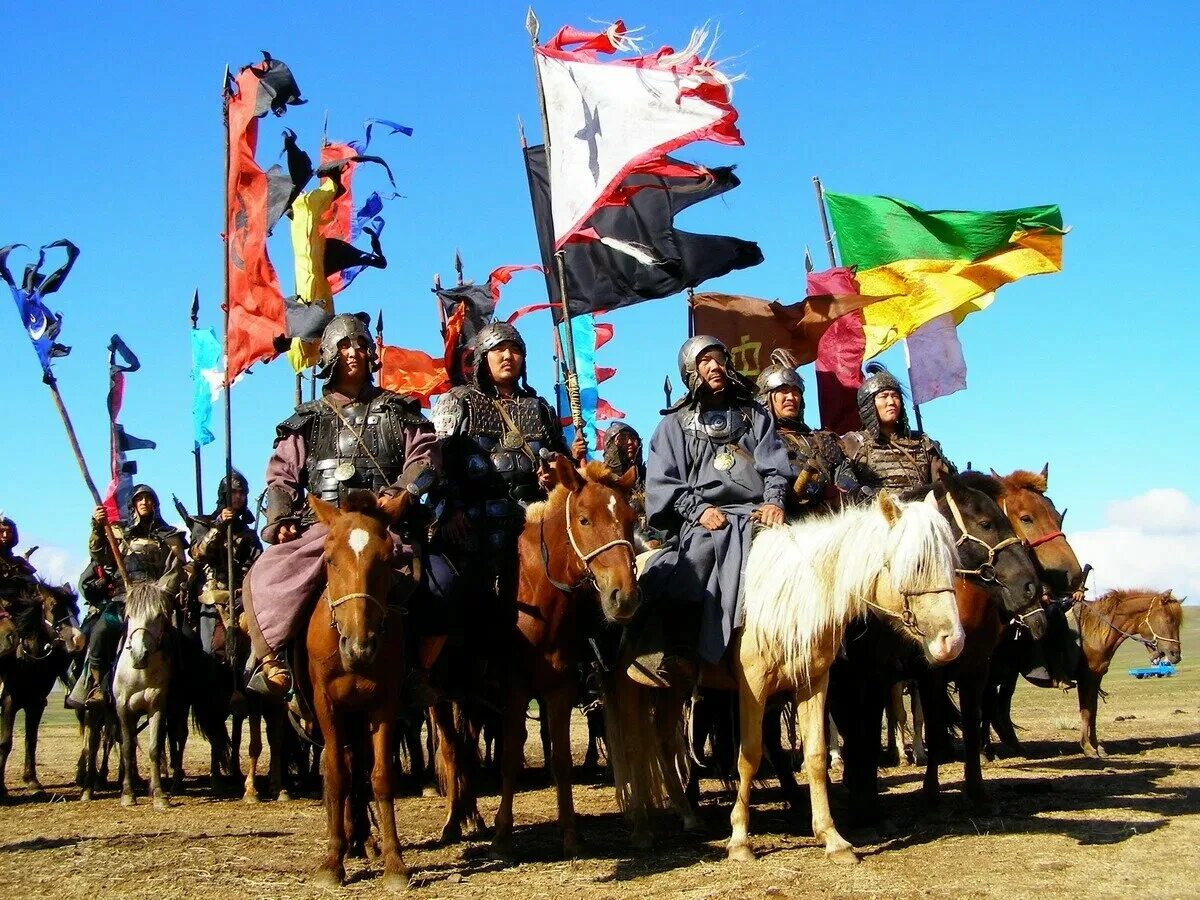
[[146, 600], [807, 580], [363, 502], [1024, 480], [65, 598], [595, 471], [984, 483], [26, 611]]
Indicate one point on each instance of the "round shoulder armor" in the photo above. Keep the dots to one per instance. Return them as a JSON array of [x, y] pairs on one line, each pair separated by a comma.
[[448, 413], [298, 419]]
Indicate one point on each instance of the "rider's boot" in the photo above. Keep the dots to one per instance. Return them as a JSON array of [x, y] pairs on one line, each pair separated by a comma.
[[271, 677], [88, 691]]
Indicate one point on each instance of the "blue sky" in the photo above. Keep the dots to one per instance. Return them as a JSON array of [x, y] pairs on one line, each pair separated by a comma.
[[115, 141]]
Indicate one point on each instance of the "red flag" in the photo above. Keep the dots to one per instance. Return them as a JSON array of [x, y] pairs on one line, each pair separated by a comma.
[[839, 355], [503, 275], [604, 333], [606, 411], [336, 221], [412, 372], [256, 313]]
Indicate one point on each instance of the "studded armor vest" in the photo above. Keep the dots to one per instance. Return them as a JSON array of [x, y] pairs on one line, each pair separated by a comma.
[[147, 555], [821, 448], [901, 464]]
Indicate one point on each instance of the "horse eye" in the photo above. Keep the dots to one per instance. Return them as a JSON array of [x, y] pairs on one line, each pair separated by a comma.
[[985, 526], [1028, 520], [584, 520]]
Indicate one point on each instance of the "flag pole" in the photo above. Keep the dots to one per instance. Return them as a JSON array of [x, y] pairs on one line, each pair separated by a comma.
[[231, 632], [196, 446], [52, 383], [532, 26]]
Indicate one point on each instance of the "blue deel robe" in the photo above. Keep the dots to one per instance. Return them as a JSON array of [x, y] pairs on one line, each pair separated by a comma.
[[705, 566]]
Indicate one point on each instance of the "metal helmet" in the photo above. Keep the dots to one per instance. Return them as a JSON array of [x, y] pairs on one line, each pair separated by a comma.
[[690, 352], [224, 490], [877, 380], [489, 337], [781, 371], [138, 491], [15, 536], [340, 327]]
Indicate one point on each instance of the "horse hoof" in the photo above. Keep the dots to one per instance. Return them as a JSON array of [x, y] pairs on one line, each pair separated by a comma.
[[451, 833], [503, 851], [572, 848], [284, 797], [331, 878], [396, 882], [128, 800], [642, 840], [250, 799], [85, 797], [843, 856], [162, 804], [1101, 753], [740, 853]]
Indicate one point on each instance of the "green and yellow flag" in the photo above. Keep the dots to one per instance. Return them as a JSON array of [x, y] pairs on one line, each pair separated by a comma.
[[935, 262]]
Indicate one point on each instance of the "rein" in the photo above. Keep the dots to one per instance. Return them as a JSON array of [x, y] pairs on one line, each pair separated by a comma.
[[985, 571], [585, 558], [1149, 645], [906, 615], [1033, 543]]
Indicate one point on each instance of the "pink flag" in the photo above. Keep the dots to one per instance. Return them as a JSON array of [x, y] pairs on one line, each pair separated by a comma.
[[839, 354], [936, 367]]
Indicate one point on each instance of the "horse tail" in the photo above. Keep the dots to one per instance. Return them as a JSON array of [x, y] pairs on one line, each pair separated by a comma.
[[210, 684], [634, 751]]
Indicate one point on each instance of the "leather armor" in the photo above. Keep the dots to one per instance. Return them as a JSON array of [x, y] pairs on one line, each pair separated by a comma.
[[821, 448], [900, 464]]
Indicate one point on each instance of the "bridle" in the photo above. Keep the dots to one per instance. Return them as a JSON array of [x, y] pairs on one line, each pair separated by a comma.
[[585, 558], [906, 615], [1135, 635], [1034, 543], [346, 598], [985, 571]]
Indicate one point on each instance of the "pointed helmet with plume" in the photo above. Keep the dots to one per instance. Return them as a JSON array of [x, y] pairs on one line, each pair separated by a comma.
[[877, 380], [781, 371]]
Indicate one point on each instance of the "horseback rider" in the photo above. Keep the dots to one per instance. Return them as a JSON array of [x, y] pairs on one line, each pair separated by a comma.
[[209, 538], [622, 452], [356, 436], [781, 391], [151, 550], [498, 438], [887, 453], [16, 572], [716, 466]]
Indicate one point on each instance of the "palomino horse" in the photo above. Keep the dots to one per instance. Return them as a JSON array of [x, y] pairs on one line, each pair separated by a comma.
[[1037, 522], [995, 581], [45, 633], [1152, 618], [576, 574], [354, 659], [141, 681]]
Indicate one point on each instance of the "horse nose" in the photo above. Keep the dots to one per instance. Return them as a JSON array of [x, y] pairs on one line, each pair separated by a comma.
[[359, 652], [947, 645]]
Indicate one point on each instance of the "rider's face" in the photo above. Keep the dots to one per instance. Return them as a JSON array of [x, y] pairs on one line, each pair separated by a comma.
[[5, 534], [504, 363], [237, 499], [786, 402], [711, 366], [887, 406], [352, 357], [144, 505]]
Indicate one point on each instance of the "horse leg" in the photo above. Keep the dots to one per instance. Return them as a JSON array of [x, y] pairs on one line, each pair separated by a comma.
[[833, 736], [176, 721], [1003, 723], [156, 734], [894, 754], [127, 719], [917, 739], [276, 740], [750, 715], [672, 744], [512, 738], [932, 691], [395, 873], [970, 696], [468, 774], [780, 761], [558, 729], [8, 715], [93, 732], [253, 752], [1089, 695], [332, 871], [447, 768], [33, 721], [810, 717]]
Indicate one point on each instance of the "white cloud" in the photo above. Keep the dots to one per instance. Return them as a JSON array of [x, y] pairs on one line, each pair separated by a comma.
[[1151, 540], [58, 565]]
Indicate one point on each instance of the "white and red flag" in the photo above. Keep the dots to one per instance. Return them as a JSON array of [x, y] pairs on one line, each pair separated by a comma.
[[609, 118]]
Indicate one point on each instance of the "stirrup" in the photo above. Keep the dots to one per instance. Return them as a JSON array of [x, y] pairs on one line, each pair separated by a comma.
[[271, 678]]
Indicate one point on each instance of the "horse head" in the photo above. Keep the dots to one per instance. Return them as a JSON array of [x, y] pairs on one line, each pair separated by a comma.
[[591, 525], [147, 622], [990, 551], [61, 614], [1039, 525], [1161, 626], [916, 582], [9, 639], [359, 551]]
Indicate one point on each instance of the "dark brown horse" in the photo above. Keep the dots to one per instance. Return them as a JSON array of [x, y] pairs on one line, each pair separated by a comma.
[[1152, 618], [1039, 524], [576, 574], [353, 656], [46, 633]]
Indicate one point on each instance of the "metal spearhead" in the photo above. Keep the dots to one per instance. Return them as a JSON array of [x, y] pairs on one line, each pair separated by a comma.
[[532, 25], [458, 266], [195, 307], [808, 263], [667, 389]]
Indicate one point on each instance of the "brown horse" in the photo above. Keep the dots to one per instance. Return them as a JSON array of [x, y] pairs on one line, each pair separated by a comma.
[[576, 573], [354, 660], [1040, 526], [1152, 618]]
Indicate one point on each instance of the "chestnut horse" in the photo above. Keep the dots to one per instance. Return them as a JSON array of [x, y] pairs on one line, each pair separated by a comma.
[[576, 575], [1038, 523], [353, 656]]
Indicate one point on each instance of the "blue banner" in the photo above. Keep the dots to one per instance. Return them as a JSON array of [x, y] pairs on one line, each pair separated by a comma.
[[208, 375]]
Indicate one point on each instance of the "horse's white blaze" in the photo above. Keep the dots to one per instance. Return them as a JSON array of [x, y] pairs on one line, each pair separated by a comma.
[[359, 540], [612, 504]]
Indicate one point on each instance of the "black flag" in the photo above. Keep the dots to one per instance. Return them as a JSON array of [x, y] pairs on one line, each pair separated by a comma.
[[599, 277]]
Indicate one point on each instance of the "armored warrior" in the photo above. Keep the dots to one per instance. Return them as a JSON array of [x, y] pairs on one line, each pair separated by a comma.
[[887, 453], [16, 572], [151, 550], [820, 473], [355, 437], [622, 452], [209, 539], [716, 466]]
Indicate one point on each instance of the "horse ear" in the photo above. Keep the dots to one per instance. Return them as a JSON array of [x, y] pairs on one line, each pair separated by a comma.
[[326, 512], [889, 507], [568, 476], [627, 481], [395, 506], [995, 474], [1046, 473], [931, 499]]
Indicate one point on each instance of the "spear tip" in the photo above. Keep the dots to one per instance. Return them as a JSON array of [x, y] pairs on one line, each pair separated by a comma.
[[531, 24]]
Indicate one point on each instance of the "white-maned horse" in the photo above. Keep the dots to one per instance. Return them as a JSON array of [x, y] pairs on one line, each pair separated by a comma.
[[140, 682], [804, 583]]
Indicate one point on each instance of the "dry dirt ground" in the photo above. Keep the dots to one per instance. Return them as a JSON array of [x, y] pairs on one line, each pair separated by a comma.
[[1125, 826]]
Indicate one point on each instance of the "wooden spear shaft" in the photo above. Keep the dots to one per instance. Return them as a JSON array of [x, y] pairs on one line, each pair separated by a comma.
[[231, 632]]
